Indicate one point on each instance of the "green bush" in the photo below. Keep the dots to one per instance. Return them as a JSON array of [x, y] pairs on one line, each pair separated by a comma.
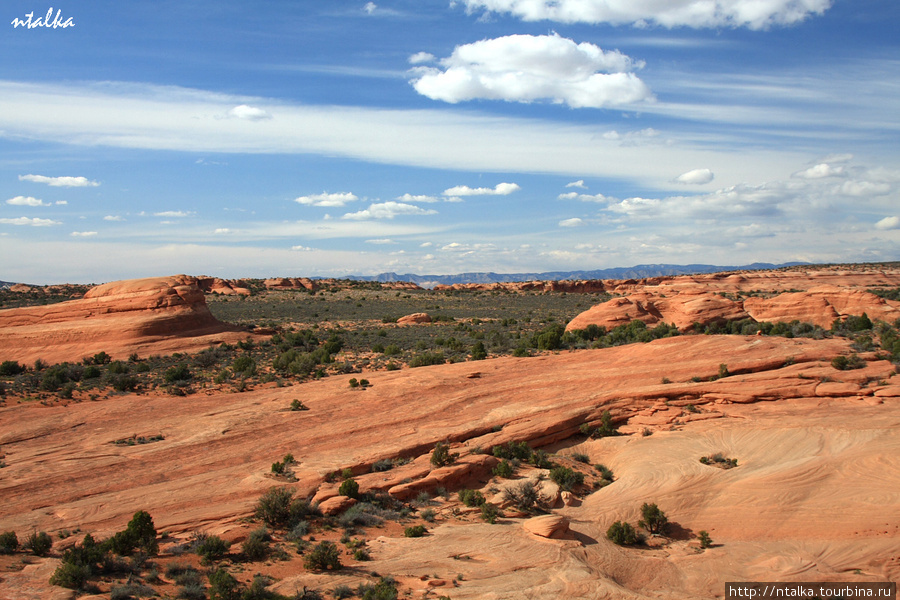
[[523, 495], [223, 586], [385, 589], [9, 542], [441, 455], [10, 368], [622, 533], [39, 543], [349, 488], [256, 546], [471, 497], [274, 507], [427, 359], [705, 540], [71, 575], [566, 478], [212, 548], [140, 533], [504, 469], [178, 373], [489, 512], [415, 531], [324, 557], [513, 450]]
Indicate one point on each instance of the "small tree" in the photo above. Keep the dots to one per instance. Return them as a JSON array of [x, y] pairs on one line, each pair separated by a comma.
[[655, 520], [705, 540], [9, 542], [39, 543], [621, 533], [566, 478], [223, 586], [212, 548], [441, 457]]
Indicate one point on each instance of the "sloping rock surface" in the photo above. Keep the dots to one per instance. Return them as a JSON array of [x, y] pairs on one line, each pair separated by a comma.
[[147, 316]]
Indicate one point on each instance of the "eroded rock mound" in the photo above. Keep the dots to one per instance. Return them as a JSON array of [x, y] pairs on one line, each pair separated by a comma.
[[414, 319], [146, 316]]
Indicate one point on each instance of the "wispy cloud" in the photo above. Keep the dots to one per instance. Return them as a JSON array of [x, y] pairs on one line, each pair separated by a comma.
[[501, 189], [672, 13], [176, 214], [29, 221], [388, 210], [249, 113], [695, 177], [60, 181], [84, 233]]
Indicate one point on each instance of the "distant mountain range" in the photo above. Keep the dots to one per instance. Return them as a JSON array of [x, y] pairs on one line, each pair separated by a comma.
[[636, 272]]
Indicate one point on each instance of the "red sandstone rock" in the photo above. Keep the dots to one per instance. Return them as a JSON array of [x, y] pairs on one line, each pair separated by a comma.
[[147, 316], [414, 318], [548, 526]]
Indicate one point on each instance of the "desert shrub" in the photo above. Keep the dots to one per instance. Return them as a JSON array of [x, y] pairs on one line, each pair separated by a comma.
[[178, 373], [38, 543], [131, 590], [654, 520], [140, 533], [441, 456], [212, 548], [244, 366], [705, 540], [622, 533], [9, 542], [415, 531], [385, 589], [846, 363], [223, 586], [478, 351], [274, 507], [540, 460], [10, 368], [489, 512], [71, 575], [361, 554], [504, 469], [606, 473], [523, 495], [513, 450], [566, 478], [607, 428], [256, 546], [342, 591], [428, 515], [427, 359], [324, 557], [471, 497], [385, 464], [349, 488], [581, 457]]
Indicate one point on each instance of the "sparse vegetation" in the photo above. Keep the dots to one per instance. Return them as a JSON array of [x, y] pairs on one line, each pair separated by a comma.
[[622, 533], [324, 557], [654, 520], [441, 456]]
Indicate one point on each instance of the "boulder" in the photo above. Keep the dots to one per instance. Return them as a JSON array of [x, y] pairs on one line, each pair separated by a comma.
[[547, 526]]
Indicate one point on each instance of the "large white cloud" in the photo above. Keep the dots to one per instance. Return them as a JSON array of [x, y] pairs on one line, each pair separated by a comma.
[[695, 177], [501, 189], [60, 181], [888, 223], [388, 210], [327, 199], [529, 68], [754, 14], [249, 113]]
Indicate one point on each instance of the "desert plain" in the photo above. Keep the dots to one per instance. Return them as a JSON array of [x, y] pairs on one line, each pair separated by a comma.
[[803, 395]]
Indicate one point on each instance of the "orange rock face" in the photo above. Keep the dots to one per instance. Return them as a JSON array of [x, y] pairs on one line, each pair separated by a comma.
[[414, 319], [683, 301], [147, 316]]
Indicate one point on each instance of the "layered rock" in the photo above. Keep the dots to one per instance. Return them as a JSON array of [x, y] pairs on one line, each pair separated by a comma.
[[414, 318], [147, 316]]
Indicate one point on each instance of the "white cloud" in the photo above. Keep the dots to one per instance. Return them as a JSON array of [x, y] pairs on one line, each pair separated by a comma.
[[60, 181], [633, 138], [249, 113], [388, 210], [752, 14], [820, 171], [61, 202], [865, 188], [302, 249], [222, 231], [421, 57], [326, 199], [180, 214], [116, 218], [577, 184], [501, 189], [26, 201], [418, 198], [32, 222], [381, 242], [528, 68], [696, 177], [576, 222], [370, 7], [587, 197], [888, 223], [84, 233]]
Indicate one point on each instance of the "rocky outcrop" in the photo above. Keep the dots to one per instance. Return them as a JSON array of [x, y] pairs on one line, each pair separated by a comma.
[[547, 526], [147, 316], [225, 287], [414, 319], [290, 283]]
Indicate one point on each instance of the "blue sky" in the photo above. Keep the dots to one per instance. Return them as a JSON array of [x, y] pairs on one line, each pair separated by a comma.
[[300, 138]]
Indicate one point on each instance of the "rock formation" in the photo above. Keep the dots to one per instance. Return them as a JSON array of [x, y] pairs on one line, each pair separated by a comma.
[[414, 319], [147, 316]]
